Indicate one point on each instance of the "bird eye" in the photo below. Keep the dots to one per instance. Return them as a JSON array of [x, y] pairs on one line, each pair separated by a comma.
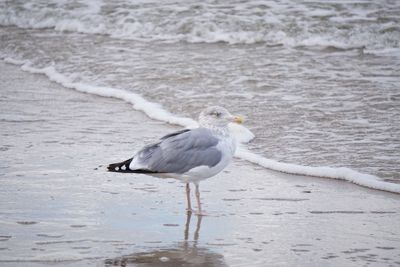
[[216, 114]]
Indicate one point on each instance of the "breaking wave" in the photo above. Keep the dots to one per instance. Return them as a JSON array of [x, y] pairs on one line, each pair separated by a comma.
[[290, 23]]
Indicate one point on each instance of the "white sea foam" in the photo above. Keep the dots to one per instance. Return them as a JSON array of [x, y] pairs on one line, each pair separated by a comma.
[[346, 174], [155, 111], [244, 23], [151, 109], [15, 61], [241, 133]]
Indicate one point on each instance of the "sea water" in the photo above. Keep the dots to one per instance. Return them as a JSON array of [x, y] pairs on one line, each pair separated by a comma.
[[317, 82]]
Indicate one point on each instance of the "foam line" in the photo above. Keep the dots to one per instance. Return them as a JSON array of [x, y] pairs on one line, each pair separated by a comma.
[[210, 27], [346, 174], [151, 109], [155, 111]]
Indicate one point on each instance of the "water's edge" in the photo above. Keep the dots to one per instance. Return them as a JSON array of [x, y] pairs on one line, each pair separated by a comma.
[[157, 112]]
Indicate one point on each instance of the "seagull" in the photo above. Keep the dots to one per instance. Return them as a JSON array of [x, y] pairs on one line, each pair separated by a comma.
[[189, 155]]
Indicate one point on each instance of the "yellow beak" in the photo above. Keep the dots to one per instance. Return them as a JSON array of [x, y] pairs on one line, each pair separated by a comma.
[[237, 119]]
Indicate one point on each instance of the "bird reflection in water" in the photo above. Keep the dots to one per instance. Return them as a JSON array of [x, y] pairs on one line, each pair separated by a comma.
[[185, 253]]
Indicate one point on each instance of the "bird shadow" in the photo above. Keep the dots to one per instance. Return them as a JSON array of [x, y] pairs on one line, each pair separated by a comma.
[[184, 253]]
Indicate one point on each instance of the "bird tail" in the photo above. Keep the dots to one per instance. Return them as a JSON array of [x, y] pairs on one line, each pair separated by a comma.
[[120, 166], [124, 168]]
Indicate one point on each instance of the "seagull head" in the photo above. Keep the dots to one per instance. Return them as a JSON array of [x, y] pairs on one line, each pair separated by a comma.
[[217, 117]]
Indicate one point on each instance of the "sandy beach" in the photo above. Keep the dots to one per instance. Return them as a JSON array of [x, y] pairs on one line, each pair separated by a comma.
[[58, 205]]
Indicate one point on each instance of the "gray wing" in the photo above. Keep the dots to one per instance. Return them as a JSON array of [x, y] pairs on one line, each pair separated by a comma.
[[181, 151]]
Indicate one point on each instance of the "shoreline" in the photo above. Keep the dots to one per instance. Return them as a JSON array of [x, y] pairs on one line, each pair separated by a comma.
[[57, 206], [156, 112]]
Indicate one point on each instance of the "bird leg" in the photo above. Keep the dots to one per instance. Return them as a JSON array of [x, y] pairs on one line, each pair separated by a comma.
[[189, 205], [198, 200]]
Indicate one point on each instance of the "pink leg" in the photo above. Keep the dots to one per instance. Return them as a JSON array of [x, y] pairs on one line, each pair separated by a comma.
[[189, 205], [198, 200]]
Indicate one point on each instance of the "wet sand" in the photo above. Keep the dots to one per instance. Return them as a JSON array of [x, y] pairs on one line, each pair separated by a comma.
[[58, 206]]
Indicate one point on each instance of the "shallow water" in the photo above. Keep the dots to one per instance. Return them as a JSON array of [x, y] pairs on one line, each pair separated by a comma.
[[59, 207], [318, 82]]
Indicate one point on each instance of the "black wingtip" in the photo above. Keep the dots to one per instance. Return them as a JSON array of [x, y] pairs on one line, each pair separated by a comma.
[[120, 166], [124, 168]]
